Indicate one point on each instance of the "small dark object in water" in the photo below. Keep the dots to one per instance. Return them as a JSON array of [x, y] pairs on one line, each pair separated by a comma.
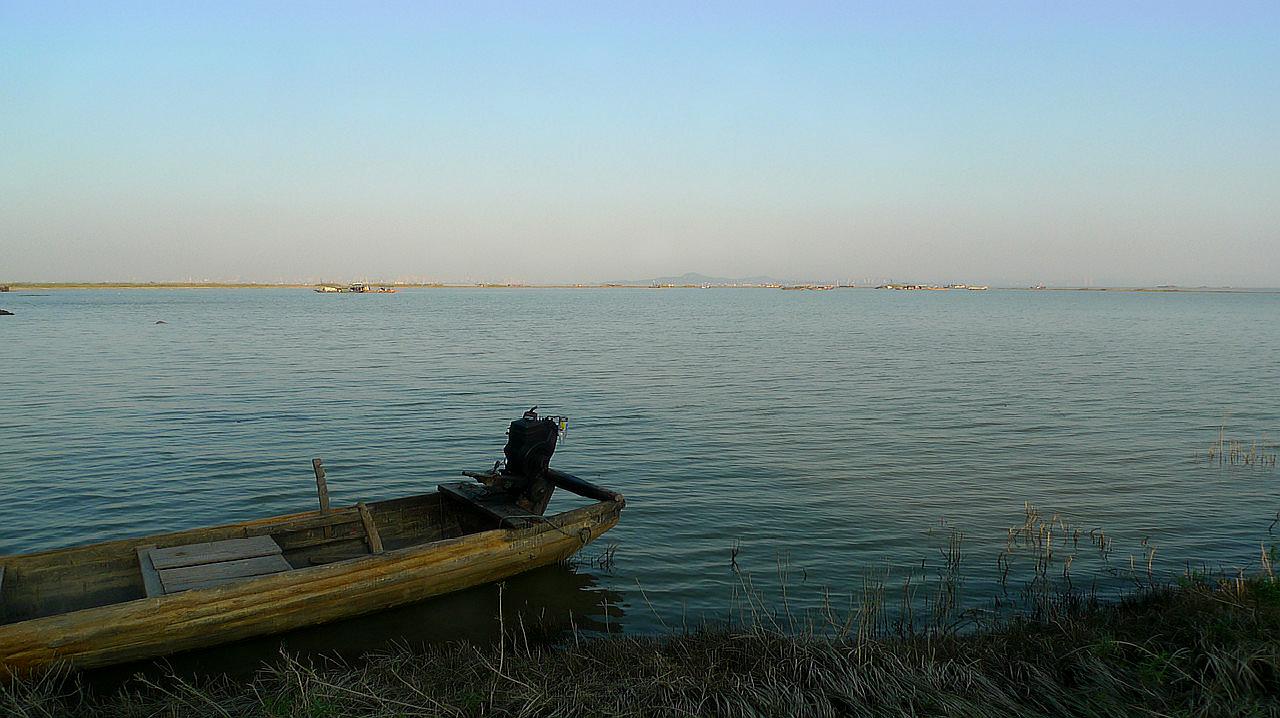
[[5, 313], [162, 322]]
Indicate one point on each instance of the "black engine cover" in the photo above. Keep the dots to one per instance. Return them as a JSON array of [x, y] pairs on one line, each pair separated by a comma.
[[530, 443]]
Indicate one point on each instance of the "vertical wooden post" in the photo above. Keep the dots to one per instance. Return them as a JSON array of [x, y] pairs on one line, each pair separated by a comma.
[[370, 528], [321, 487]]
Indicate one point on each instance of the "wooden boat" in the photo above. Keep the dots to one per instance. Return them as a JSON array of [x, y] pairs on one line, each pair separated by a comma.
[[133, 599]]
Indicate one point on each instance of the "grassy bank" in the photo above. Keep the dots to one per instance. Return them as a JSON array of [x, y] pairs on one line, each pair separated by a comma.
[[1195, 648]]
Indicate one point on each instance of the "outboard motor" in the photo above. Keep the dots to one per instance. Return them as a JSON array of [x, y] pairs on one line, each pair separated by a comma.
[[530, 443]]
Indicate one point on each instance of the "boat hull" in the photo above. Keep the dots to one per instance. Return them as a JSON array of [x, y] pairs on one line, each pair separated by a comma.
[[150, 627]]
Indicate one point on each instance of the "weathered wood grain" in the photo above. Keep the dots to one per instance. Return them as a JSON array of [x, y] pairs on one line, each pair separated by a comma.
[[370, 528], [213, 552], [302, 522], [187, 578], [150, 576], [57, 581], [337, 550], [322, 488], [295, 541], [487, 501], [322, 491]]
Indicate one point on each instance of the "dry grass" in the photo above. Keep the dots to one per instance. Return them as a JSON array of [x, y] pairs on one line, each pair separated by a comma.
[[1194, 646], [1199, 648]]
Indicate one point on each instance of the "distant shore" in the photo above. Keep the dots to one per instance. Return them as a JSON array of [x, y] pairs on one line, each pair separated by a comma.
[[29, 286]]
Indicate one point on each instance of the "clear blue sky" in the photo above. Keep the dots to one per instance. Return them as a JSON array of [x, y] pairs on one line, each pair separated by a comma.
[[1110, 142]]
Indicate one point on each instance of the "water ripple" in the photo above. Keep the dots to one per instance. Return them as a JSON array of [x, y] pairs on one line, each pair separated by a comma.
[[829, 431]]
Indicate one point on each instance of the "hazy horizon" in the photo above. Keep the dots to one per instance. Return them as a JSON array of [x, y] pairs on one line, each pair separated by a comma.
[[684, 279], [1091, 145]]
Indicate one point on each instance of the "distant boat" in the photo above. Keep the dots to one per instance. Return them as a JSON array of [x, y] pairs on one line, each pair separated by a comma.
[[355, 288]]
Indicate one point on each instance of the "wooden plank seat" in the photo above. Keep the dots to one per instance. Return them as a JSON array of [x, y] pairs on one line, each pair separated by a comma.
[[204, 565], [495, 504]]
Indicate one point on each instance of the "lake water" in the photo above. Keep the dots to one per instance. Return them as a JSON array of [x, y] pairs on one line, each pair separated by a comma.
[[826, 433]]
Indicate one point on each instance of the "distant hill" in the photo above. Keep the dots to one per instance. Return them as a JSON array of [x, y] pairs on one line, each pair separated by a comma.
[[699, 279]]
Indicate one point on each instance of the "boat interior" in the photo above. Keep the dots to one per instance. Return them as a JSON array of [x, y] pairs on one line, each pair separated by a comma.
[[65, 580]]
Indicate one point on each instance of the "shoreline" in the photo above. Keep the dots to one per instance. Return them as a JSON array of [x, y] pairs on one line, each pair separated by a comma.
[[1195, 647], [15, 287]]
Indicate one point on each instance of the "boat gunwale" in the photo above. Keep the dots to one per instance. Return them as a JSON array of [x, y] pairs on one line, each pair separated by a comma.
[[162, 539]]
